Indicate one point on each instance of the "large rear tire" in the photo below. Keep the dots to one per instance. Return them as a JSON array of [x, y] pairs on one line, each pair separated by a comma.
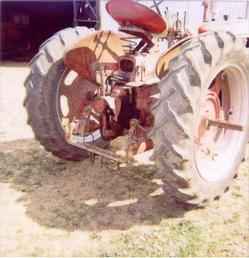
[[188, 176], [47, 68]]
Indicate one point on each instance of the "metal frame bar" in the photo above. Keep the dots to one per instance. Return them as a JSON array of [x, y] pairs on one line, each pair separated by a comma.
[[76, 17]]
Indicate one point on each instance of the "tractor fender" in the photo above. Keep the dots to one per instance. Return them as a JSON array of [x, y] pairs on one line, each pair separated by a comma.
[[100, 51], [164, 60]]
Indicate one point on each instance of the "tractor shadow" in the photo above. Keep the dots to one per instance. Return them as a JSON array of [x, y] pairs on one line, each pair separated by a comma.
[[83, 196]]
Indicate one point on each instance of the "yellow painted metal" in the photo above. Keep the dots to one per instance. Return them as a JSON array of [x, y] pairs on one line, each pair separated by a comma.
[[163, 62]]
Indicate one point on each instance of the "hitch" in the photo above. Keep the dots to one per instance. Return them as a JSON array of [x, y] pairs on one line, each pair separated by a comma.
[[99, 151]]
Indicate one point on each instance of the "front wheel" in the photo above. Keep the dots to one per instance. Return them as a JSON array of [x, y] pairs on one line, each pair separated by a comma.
[[202, 122]]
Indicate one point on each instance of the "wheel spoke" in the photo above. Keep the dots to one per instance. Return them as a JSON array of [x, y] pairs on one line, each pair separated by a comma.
[[64, 90], [76, 94]]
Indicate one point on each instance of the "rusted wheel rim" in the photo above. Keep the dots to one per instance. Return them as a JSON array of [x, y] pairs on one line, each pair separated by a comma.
[[217, 148], [211, 109], [72, 97]]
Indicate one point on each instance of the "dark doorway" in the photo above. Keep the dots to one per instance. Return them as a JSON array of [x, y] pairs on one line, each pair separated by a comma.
[[24, 25]]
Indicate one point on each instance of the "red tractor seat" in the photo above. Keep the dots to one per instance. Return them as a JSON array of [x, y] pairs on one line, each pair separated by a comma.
[[129, 12]]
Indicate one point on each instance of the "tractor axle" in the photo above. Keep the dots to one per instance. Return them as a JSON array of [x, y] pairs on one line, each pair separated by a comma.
[[224, 125]]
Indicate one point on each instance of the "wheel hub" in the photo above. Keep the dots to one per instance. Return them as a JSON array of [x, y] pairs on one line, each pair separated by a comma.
[[211, 109]]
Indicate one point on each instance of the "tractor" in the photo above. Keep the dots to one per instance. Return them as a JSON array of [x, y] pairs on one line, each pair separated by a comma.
[[151, 93]]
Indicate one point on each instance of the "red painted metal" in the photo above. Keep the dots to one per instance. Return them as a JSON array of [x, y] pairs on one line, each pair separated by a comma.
[[202, 29], [128, 12], [211, 109], [214, 112]]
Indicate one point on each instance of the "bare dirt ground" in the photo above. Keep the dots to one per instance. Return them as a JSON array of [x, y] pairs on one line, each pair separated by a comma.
[[49, 207], [13, 125]]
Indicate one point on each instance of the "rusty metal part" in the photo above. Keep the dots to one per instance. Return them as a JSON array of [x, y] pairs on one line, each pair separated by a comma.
[[85, 126], [216, 111], [144, 100], [98, 52], [110, 129], [80, 118], [108, 126], [210, 109], [138, 140], [81, 60], [118, 93], [125, 107], [99, 105], [96, 58], [144, 96], [90, 119], [130, 43], [146, 38], [77, 94], [145, 146], [224, 125], [106, 117]]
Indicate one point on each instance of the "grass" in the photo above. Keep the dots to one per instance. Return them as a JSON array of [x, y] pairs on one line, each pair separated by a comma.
[[183, 239], [51, 205]]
